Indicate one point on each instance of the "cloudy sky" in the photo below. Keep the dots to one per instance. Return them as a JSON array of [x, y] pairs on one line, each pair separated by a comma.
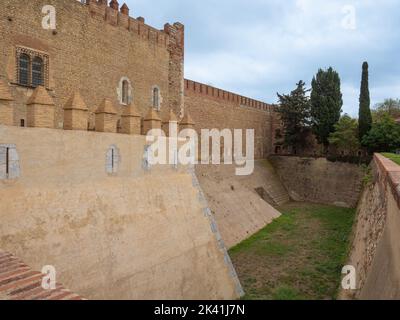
[[260, 47]]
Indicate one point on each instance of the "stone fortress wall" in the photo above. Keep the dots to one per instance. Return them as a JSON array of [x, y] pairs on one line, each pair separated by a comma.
[[319, 180], [135, 232], [112, 226], [375, 250], [75, 195]]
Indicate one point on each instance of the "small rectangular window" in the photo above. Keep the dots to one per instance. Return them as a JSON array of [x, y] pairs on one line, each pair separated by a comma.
[[112, 160], [7, 162], [156, 98]]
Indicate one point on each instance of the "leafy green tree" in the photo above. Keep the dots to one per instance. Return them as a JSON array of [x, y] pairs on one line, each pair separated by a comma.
[[389, 106], [295, 112], [345, 137], [326, 104], [365, 116], [384, 135]]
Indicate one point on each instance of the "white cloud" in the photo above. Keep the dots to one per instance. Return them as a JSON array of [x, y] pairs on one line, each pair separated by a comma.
[[261, 47]]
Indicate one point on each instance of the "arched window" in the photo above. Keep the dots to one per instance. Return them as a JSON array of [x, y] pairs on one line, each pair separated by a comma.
[[156, 98], [125, 92], [23, 69], [37, 72]]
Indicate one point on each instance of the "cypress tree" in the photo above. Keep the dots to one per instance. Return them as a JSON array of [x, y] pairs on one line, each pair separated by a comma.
[[326, 104], [365, 116]]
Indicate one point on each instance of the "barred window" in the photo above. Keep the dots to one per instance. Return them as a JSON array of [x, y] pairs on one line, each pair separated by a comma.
[[32, 67], [37, 72], [23, 69]]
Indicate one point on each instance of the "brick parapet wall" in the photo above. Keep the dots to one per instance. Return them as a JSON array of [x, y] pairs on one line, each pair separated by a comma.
[[223, 95], [117, 18], [388, 175], [214, 108]]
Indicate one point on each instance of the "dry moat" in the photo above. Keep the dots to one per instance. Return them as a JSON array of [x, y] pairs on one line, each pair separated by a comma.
[[298, 256]]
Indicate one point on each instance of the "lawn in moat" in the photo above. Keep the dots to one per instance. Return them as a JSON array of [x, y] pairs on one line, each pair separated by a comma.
[[299, 256]]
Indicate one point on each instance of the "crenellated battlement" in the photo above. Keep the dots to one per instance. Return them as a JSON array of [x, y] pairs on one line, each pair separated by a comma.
[[171, 37], [215, 93]]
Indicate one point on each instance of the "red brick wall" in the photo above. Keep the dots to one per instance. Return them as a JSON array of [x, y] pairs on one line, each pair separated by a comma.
[[93, 47], [215, 108]]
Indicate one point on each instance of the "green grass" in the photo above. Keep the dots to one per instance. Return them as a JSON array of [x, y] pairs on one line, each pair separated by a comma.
[[298, 256], [394, 157]]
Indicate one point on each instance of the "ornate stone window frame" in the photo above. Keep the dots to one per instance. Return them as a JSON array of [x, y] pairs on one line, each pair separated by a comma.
[[32, 53]]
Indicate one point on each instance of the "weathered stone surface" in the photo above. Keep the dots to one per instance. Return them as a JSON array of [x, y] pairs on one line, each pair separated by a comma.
[[319, 180], [138, 234], [375, 251], [238, 209]]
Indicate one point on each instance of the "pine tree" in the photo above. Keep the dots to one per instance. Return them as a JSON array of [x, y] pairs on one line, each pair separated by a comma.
[[365, 116], [326, 104], [295, 111]]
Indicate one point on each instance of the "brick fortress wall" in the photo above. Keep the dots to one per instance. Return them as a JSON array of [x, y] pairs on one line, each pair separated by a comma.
[[96, 45], [212, 108], [93, 47]]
